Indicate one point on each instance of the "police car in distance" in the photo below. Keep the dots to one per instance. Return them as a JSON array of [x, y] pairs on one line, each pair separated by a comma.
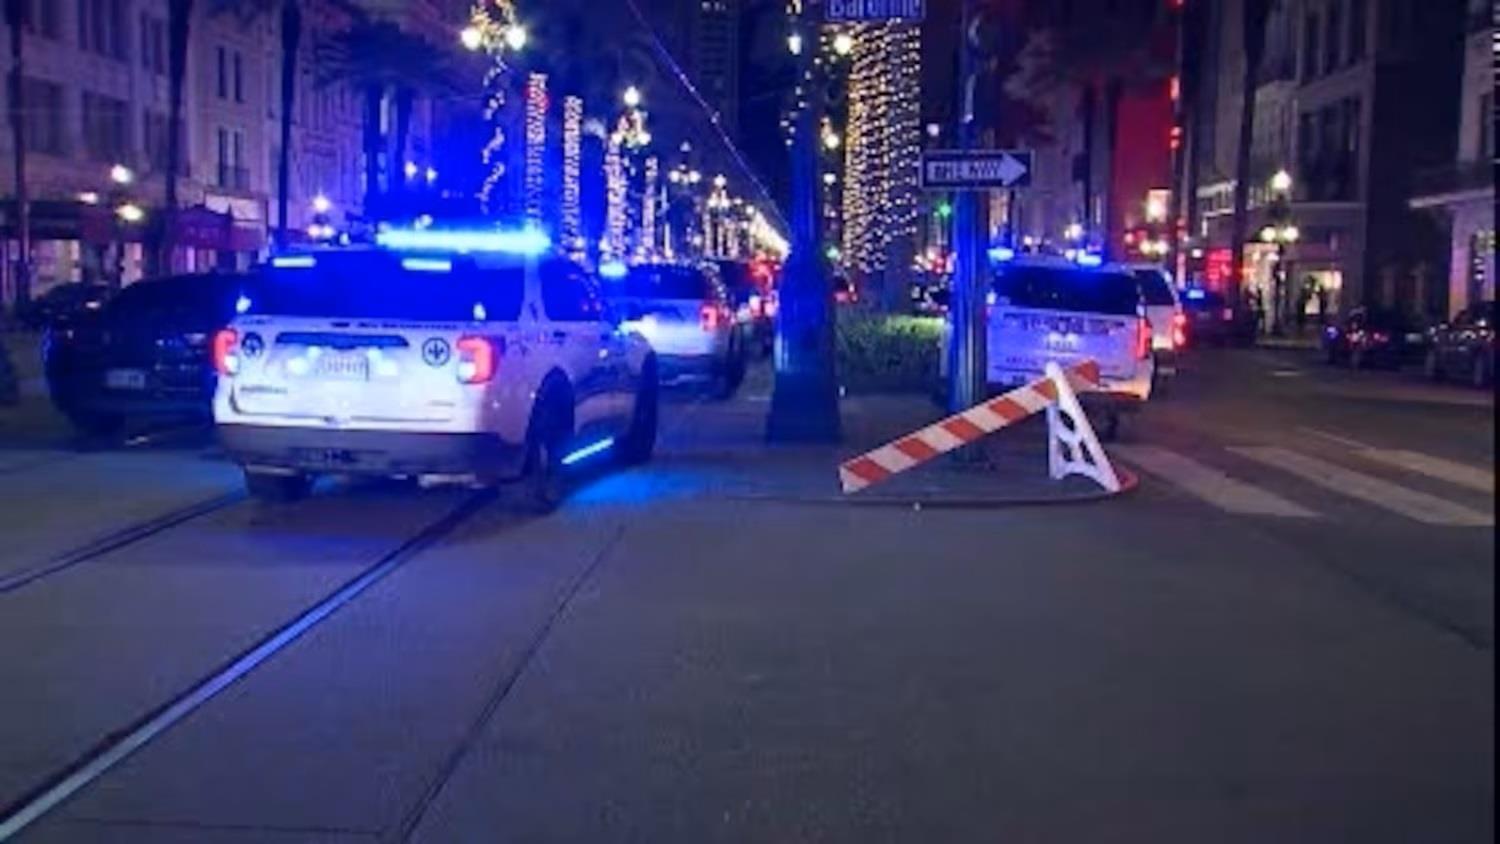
[[450, 356], [1068, 309]]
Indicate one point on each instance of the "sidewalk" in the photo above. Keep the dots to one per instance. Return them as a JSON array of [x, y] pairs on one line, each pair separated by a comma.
[[719, 450]]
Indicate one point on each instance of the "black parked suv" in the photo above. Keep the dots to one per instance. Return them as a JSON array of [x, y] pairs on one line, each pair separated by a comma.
[[144, 353], [1464, 347]]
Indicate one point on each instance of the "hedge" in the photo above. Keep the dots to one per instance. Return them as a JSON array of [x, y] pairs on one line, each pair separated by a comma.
[[880, 353]]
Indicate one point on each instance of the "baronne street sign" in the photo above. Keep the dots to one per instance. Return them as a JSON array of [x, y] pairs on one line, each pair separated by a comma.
[[980, 169], [858, 11]]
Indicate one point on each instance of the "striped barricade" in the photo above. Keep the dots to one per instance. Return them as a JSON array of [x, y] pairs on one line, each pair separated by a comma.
[[962, 428]]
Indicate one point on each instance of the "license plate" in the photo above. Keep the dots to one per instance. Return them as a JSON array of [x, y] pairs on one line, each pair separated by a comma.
[[125, 379], [344, 367]]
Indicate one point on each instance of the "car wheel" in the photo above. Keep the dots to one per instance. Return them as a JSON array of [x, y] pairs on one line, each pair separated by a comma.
[[1431, 367], [1357, 359], [1480, 372], [276, 487], [640, 440], [1110, 431], [731, 373], [542, 482]]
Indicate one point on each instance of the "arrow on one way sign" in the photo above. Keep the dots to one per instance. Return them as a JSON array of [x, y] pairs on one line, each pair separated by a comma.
[[976, 169]]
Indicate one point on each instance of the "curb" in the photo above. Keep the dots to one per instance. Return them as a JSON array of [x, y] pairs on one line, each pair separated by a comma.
[[1129, 481]]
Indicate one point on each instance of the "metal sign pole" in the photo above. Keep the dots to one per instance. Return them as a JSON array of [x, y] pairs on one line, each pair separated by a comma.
[[966, 350]]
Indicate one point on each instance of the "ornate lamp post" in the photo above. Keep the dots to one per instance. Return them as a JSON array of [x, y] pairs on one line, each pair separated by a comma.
[[1282, 233]]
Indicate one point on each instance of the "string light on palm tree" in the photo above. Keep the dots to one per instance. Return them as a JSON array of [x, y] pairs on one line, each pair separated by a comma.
[[496, 30]]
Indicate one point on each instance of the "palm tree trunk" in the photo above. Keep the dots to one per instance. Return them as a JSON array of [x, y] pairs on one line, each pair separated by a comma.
[[374, 92], [179, 21], [1113, 91], [1085, 174], [14, 17], [291, 37], [1256, 12], [404, 98]]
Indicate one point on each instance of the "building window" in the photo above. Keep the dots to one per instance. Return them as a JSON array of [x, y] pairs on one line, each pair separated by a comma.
[[153, 44], [1310, 47], [102, 28], [1332, 35], [232, 171], [1359, 24], [156, 134], [44, 120], [239, 77], [106, 130], [1487, 126], [222, 61], [39, 17]]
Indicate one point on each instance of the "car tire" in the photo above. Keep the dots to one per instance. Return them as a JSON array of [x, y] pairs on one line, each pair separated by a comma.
[[1110, 431], [1480, 372], [1357, 359], [277, 488], [542, 484], [1431, 366], [731, 373], [640, 439]]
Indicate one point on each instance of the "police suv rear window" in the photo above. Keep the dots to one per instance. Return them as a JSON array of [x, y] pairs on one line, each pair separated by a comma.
[[650, 282], [1155, 289], [380, 285], [1066, 289]]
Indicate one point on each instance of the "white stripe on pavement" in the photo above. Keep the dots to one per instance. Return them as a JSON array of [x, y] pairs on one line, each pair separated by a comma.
[[1210, 484], [1419, 506], [1481, 479], [1472, 477]]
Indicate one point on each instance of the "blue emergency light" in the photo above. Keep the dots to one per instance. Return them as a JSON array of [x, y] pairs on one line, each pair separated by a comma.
[[524, 242]]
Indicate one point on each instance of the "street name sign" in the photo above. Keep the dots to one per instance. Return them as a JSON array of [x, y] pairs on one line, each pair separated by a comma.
[[980, 169], [866, 11]]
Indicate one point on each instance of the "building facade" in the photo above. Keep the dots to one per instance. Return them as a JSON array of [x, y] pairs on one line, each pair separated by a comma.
[[95, 119], [1462, 194], [1352, 101]]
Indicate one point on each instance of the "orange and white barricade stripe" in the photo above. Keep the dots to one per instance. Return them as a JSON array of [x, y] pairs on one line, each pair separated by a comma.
[[962, 428]]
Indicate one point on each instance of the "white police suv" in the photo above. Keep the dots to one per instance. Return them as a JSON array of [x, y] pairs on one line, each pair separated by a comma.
[[449, 356], [1068, 310]]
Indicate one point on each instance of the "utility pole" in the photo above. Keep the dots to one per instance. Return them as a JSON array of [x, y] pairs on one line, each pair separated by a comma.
[[15, 15], [966, 353], [804, 401]]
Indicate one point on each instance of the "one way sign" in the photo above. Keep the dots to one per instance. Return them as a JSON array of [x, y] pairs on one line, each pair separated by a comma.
[[976, 169]]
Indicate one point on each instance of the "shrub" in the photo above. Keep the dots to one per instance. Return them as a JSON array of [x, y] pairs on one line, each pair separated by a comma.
[[880, 353]]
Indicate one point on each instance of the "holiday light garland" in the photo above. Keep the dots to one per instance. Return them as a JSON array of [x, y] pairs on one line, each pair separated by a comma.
[[572, 153], [536, 144], [490, 21], [647, 247], [616, 186]]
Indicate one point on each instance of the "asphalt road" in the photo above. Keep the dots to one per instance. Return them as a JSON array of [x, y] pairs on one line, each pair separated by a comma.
[[1285, 634]]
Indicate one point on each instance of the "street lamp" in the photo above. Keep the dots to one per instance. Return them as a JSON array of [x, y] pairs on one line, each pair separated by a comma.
[[843, 43], [121, 175], [1281, 181], [321, 204], [471, 38], [631, 97], [130, 212]]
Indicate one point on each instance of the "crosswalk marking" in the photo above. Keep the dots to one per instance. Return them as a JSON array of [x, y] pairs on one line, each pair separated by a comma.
[[1419, 506], [1210, 484], [1475, 478], [1436, 467]]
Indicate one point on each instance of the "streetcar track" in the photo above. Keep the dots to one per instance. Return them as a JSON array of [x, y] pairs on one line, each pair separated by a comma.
[[118, 745], [117, 539]]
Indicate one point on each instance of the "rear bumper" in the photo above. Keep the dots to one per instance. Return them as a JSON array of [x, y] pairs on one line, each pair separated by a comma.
[[83, 395], [687, 367], [485, 456]]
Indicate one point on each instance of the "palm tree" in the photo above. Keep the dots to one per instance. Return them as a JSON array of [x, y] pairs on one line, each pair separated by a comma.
[[179, 22], [15, 17], [1256, 15], [1099, 48], [376, 56]]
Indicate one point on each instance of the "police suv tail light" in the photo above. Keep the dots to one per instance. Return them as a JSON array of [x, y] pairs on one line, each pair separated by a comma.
[[478, 357], [1179, 330], [711, 316], [226, 351], [1142, 338]]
